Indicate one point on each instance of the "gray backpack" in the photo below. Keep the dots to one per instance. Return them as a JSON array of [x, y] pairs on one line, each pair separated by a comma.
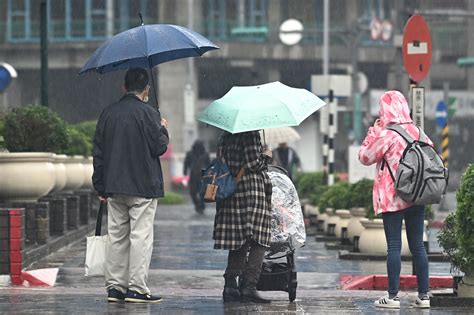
[[421, 177]]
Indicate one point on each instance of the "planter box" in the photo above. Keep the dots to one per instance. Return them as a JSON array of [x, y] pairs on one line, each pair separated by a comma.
[[26, 177], [74, 172]]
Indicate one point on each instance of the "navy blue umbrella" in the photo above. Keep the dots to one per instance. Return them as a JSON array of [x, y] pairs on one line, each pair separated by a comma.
[[146, 46]]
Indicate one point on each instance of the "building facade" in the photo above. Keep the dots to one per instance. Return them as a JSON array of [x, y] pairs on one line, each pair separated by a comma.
[[363, 36]]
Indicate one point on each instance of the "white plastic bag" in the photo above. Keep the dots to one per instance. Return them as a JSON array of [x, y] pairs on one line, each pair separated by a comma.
[[95, 256], [287, 217]]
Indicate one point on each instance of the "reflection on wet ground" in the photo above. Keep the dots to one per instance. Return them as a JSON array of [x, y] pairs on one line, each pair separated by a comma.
[[187, 272]]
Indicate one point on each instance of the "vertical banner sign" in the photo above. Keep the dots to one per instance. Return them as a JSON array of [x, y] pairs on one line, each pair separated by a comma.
[[418, 106]]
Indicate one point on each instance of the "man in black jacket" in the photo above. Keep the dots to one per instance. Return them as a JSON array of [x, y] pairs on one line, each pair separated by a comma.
[[130, 137]]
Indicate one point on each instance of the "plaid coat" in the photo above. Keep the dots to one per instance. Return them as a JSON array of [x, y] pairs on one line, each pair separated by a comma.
[[247, 214]]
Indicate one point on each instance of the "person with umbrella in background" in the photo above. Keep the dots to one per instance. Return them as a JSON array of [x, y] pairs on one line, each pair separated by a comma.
[[287, 158], [129, 140], [196, 159]]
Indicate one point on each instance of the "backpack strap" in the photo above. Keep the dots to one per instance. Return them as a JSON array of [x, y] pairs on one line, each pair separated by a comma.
[[422, 136], [384, 162], [398, 129], [220, 154]]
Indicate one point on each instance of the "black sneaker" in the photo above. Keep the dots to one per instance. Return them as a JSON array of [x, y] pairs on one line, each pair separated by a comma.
[[136, 297], [115, 295]]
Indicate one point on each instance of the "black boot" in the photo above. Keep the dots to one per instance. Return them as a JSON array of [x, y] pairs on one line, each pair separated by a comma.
[[231, 291], [249, 293]]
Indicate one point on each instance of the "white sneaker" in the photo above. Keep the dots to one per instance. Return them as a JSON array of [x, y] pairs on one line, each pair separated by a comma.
[[424, 302], [385, 302]]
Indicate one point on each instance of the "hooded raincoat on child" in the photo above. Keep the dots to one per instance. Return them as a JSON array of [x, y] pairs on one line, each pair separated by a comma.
[[381, 143]]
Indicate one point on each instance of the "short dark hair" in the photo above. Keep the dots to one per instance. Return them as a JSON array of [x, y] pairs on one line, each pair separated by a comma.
[[136, 80]]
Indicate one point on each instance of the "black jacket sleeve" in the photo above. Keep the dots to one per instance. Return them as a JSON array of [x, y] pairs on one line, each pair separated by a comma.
[[156, 135], [98, 158]]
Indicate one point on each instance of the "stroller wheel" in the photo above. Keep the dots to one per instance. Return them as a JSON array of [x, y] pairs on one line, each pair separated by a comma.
[[293, 283]]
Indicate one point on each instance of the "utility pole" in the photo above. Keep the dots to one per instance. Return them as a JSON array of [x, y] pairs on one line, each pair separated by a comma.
[[324, 112], [44, 52], [190, 127], [110, 18], [356, 94]]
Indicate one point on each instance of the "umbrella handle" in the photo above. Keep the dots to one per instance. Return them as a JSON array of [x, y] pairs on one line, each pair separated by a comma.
[[264, 141], [141, 18]]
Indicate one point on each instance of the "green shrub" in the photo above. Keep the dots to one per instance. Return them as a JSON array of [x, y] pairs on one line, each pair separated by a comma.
[[311, 185], [78, 144], [87, 128], [2, 128], [172, 198], [447, 239], [360, 195], [2, 125], [429, 213], [457, 236], [336, 196], [307, 183], [35, 129]]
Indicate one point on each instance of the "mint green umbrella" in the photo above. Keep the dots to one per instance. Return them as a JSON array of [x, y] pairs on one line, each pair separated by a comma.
[[271, 105]]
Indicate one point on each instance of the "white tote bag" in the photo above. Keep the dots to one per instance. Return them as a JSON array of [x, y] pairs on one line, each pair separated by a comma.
[[96, 246]]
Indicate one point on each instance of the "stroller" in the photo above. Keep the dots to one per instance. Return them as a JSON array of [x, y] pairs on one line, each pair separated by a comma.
[[288, 234]]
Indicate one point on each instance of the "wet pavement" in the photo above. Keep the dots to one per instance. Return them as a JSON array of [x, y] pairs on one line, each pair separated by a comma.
[[187, 272]]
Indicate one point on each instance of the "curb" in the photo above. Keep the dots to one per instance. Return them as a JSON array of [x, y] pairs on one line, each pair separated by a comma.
[[380, 282]]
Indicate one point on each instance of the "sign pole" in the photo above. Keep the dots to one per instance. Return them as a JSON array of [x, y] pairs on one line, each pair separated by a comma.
[[445, 145], [332, 116], [445, 131], [417, 53], [44, 51]]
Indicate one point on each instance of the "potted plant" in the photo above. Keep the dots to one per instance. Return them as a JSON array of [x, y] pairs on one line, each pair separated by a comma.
[[360, 201], [457, 235], [79, 163], [310, 187], [372, 236], [335, 197], [32, 134]]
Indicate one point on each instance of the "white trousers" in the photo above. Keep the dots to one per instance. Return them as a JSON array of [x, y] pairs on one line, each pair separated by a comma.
[[130, 230]]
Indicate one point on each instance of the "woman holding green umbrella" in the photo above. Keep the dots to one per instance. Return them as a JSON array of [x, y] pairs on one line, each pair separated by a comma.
[[242, 223]]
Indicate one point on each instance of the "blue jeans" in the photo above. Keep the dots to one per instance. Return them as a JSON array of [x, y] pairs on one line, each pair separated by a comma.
[[414, 221]]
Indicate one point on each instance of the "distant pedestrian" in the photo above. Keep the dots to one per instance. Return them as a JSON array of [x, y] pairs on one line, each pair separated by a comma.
[[385, 147], [243, 221], [287, 158], [196, 159], [130, 137]]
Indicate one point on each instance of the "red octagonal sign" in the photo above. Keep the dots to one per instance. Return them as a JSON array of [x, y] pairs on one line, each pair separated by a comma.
[[416, 48]]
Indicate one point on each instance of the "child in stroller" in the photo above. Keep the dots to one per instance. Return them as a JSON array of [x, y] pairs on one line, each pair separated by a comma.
[[288, 234]]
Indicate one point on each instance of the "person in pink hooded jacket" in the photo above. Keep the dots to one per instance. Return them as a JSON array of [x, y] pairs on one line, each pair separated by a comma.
[[383, 146]]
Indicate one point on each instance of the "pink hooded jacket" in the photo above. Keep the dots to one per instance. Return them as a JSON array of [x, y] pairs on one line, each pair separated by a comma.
[[381, 143]]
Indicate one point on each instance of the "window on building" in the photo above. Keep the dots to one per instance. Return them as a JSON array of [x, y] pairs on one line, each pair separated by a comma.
[[76, 20], [256, 13], [236, 19], [216, 18]]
